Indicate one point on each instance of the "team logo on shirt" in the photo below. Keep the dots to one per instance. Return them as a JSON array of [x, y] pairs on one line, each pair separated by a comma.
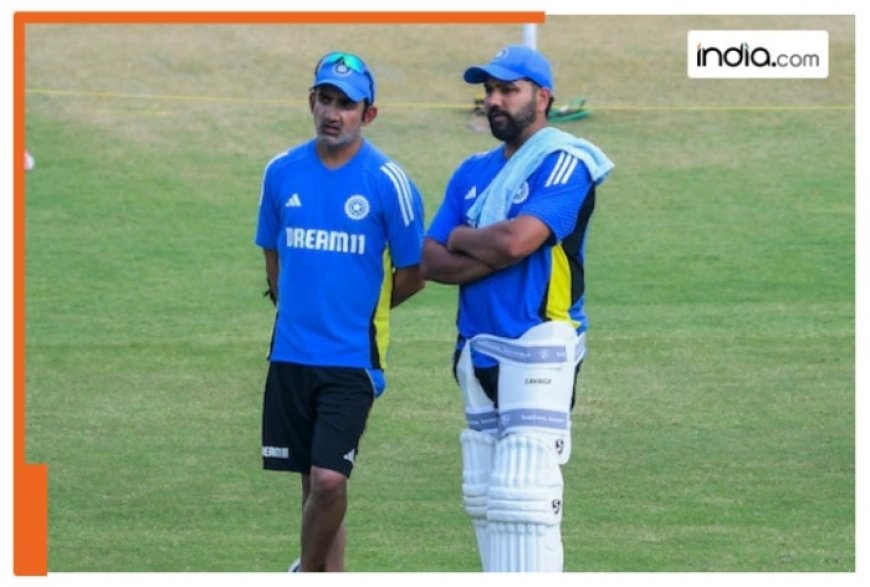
[[356, 207], [522, 194]]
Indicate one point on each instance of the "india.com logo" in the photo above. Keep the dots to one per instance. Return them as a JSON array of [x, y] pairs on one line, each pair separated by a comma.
[[746, 56], [757, 54]]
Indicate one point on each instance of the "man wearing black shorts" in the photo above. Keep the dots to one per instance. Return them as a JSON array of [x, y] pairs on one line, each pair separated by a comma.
[[341, 228], [318, 424]]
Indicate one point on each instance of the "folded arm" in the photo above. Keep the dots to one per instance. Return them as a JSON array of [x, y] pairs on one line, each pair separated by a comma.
[[454, 268], [501, 244]]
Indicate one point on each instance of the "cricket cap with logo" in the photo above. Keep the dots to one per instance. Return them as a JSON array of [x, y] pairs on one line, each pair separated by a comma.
[[512, 63], [348, 73]]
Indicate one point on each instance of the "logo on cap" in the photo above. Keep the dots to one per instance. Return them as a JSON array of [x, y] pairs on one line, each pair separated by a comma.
[[341, 69]]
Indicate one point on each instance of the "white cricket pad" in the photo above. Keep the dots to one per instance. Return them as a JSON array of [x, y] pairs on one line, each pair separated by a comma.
[[479, 409], [478, 449], [524, 507], [536, 381]]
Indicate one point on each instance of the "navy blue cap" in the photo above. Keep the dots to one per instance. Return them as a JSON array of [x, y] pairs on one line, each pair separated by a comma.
[[348, 73], [512, 63]]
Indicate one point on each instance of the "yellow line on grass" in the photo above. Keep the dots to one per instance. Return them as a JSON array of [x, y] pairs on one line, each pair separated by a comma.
[[429, 105], [172, 97], [734, 107]]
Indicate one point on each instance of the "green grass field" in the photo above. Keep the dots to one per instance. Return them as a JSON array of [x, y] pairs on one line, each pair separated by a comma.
[[716, 428]]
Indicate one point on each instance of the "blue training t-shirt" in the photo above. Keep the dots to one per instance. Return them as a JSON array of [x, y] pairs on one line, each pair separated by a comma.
[[338, 233], [546, 285]]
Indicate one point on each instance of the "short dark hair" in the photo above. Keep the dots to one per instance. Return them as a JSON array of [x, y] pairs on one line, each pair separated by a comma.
[[552, 99]]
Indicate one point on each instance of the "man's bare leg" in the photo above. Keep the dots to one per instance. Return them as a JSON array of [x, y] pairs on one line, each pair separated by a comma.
[[324, 503]]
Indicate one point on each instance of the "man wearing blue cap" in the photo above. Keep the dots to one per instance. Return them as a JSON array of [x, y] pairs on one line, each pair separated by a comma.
[[341, 228], [511, 232]]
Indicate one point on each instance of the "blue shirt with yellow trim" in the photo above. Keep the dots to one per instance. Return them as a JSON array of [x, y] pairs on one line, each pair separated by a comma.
[[338, 233], [548, 284]]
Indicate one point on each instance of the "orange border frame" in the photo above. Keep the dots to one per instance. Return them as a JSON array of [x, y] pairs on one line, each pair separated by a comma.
[[30, 509]]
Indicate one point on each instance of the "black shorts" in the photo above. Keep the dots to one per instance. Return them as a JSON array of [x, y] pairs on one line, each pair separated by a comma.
[[314, 416]]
